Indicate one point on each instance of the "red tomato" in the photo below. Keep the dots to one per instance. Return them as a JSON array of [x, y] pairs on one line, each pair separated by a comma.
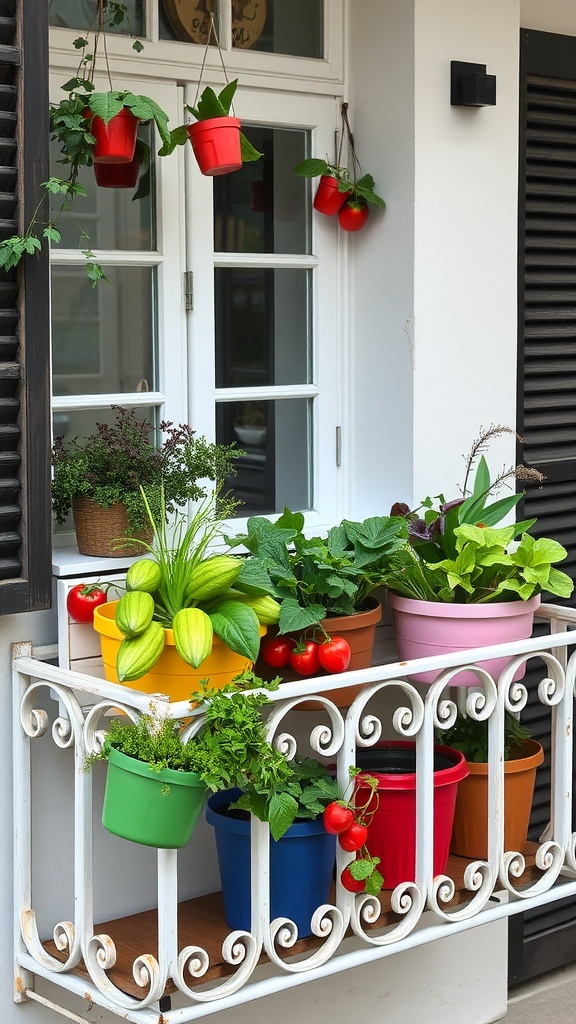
[[277, 650], [305, 660], [334, 654], [337, 818], [350, 883], [353, 838], [353, 215], [83, 599]]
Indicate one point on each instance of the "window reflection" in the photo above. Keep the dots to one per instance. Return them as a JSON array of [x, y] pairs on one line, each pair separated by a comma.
[[84, 14], [276, 439], [279, 26], [103, 338], [262, 327], [263, 206]]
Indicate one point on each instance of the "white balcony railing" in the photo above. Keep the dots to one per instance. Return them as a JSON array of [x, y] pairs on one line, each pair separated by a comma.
[[180, 971]]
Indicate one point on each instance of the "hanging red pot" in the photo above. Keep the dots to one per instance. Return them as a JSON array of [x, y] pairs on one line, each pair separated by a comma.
[[216, 144], [115, 141], [117, 175], [353, 215], [328, 199]]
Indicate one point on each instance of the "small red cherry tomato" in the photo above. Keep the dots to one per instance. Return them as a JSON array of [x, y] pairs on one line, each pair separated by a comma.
[[334, 654], [277, 650], [353, 215], [304, 659], [353, 838], [337, 818], [350, 883], [83, 599]]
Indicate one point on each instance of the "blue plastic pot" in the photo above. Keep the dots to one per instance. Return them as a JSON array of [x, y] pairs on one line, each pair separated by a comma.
[[301, 867]]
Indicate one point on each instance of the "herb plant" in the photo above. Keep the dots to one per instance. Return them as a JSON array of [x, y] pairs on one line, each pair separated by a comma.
[[209, 106], [318, 577], [113, 463], [359, 190], [471, 737]]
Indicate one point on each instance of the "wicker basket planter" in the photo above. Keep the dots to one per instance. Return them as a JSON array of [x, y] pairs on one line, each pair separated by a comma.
[[99, 529]]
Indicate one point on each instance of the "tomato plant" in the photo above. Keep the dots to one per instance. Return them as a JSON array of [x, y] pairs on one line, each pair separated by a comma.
[[353, 215], [334, 654], [277, 650], [83, 599], [350, 883], [353, 838], [337, 818], [304, 658]]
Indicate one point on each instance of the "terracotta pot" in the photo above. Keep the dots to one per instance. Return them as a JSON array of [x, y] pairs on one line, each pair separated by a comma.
[[328, 199], [359, 631], [427, 628], [470, 831], [98, 530], [115, 141], [117, 175], [216, 144]]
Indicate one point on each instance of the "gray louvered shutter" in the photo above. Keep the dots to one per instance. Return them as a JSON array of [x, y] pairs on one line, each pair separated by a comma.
[[546, 938], [24, 314]]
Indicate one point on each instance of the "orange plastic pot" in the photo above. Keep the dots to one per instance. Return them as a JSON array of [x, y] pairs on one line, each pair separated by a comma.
[[170, 674], [115, 141], [216, 144], [470, 831], [328, 199]]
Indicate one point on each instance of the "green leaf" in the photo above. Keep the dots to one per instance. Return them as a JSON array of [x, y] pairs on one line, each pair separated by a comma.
[[138, 46], [311, 168], [374, 883], [105, 105], [363, 868], [177, 137], [52, 234], [294, 618], [237, 625], [247, 151], [282, 810]]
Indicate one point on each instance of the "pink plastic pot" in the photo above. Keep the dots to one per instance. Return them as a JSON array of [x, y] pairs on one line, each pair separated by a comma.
[[216, 144], [115, 141], [392, 831], [427, 628], [328, 199]]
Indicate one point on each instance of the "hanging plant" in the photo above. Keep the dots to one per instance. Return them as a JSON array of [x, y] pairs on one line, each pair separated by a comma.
[[219, 145], [342, 191]]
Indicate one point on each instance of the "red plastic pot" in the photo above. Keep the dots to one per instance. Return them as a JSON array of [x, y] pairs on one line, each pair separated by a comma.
[[216, 144], [117, 175], [328, 199], [115, 141], [392, 831]]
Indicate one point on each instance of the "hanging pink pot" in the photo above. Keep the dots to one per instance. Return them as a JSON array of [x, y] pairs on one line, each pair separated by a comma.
[[216, 144], [115, 141], [427, 628], [328, 199], [117, 175]]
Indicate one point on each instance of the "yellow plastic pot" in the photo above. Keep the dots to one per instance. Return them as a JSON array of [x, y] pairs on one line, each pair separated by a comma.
[[170, 674]]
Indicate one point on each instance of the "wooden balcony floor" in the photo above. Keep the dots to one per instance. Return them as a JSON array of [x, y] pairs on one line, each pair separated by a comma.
[[201, 922]]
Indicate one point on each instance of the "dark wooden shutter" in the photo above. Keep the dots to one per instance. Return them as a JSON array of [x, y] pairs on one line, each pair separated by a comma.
[[546, 938], [25, 558]]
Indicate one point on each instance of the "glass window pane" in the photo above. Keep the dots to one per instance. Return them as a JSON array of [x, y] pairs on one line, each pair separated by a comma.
[[263, 206], [279, 26], [276, 437], [188, 20], [109, 216], [103, 337], [262, 327], [83, 14]]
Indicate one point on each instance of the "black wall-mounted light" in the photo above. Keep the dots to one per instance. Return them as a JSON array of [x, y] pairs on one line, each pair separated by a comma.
[[470, 86]]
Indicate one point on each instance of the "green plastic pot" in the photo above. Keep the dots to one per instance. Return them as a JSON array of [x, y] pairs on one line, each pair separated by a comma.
[[152, 808]]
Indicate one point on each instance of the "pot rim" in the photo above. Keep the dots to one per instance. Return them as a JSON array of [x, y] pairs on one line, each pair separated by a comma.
[[105, 624], [212, 122], [443, 609], [407, 780], [219, 819], [171, 775], [533, 757]]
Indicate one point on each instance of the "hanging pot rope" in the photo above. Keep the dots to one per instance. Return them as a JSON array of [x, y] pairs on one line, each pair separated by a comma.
[[346, 130], [211, 32]]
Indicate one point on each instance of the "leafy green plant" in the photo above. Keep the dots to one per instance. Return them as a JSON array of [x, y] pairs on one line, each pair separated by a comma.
[[317, 577], [357, 190], [111, 465], [210, 105], [192, 593], [471, 737], [456, 552]]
